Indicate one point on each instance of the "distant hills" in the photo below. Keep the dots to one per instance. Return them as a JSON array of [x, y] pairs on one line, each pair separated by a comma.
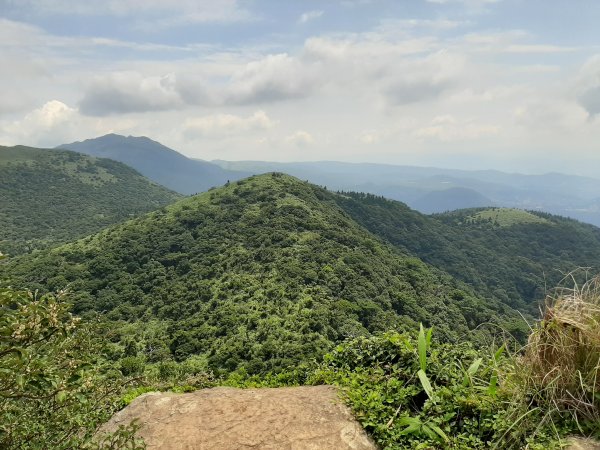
[[157, 162], [259, 275], [450, 199], [431, 190], [49, 197], [427, 189]]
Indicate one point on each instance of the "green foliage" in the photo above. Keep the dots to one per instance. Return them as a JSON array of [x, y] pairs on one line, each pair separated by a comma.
[[511, 257], [452, 406], [131, 365], [123, 438], [50, 197], [132, 394], [261, 275], [55, 386]]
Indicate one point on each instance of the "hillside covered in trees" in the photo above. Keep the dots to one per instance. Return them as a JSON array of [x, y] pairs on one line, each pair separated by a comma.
[[260, 274], [272, 281], [49, 197], [511, 255]]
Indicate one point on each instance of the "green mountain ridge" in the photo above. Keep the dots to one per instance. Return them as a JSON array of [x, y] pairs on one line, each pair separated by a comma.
[[50, 197], [262, 274]]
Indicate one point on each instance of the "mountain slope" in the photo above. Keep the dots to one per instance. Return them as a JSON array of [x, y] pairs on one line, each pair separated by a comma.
[[157, 162], [261, 274], [506, 254], [50, 197]]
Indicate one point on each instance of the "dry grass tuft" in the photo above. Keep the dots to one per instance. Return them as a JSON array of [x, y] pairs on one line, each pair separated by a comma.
[[562, 356]]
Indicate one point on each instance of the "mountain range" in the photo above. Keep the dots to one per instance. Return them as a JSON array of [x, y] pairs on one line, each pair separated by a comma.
[[426, 189]]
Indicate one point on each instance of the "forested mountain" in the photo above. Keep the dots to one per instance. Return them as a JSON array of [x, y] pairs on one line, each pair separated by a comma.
[[260, 274], [512, 255], [49, 197], [158, 162], [435, 190]]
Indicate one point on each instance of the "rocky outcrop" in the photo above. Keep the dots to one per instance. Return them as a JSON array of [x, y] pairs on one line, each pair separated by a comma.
[[299, 418], [577, 443]]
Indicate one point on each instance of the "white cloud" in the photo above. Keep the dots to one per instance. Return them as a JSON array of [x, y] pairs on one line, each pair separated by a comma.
[[549, 116], [538, 48], [588, 85], [300, 138], [310, 15], [53, 118], [449, 128], [273, 78], [127, 92], [156, 13], [226, 125]]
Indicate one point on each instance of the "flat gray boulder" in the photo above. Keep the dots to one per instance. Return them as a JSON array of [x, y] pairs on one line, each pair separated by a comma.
[[298, 418]]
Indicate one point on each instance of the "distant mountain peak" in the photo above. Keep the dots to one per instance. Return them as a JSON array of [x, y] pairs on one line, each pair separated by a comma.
[[158, 162]]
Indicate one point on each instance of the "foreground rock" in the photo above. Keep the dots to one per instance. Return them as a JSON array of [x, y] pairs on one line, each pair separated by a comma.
[[576, 443], [309, 417]]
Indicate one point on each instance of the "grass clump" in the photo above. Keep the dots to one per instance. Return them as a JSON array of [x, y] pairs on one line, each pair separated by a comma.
[[562, 356]]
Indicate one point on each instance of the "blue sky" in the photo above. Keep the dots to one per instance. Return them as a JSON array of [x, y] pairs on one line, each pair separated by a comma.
[[506, 84]]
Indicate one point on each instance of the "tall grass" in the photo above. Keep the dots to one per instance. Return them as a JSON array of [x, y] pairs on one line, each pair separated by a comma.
[[562, 356]]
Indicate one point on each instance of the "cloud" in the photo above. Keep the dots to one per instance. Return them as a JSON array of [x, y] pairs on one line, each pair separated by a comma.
[[129, 92], [273, 78], [549, 115], [300, 138], [157, 13], [53, 118], [310, 15], [423, 79], [449, 128], [588, 86], [538, 48], [225, 125]]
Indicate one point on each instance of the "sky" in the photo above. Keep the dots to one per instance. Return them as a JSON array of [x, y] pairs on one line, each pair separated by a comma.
[[512, 85]]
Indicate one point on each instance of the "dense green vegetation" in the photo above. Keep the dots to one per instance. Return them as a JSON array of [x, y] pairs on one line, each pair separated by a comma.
[[56, 385], [418, 393], [497, 252], [252, 283], [259, 275], [49, 197]]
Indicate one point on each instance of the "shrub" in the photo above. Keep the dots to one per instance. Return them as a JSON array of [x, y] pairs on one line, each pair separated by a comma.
[[168, 370], [132, 365], [56, 388]]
